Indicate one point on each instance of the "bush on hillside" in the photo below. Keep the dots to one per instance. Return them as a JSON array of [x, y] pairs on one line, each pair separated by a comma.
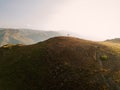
[[104, 57]]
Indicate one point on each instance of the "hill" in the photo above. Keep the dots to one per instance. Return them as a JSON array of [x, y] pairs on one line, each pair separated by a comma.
[[60, 63], [116, 40], [113, 44], [24, 36]]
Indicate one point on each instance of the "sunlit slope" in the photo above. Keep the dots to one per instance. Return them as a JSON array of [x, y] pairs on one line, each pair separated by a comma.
[[60, 63], [112, 45]]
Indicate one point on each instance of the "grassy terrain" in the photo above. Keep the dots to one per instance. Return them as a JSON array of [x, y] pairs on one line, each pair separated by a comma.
[[60, 63], [114, 46]]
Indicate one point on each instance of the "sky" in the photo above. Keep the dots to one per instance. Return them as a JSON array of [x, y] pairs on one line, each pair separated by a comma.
[[91, 19]]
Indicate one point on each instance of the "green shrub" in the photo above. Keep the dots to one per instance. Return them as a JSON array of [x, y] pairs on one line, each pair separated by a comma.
[[104, 57]]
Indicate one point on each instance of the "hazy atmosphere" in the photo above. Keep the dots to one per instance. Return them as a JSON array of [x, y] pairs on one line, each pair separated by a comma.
[[93, 19], [59, 44]]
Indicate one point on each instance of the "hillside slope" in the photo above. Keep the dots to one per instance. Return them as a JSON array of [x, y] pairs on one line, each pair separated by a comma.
[[115, 40], [24, 36], [60, 63], [113, 44]]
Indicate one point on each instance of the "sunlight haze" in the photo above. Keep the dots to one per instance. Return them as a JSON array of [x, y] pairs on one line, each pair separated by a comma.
[[91, 19]]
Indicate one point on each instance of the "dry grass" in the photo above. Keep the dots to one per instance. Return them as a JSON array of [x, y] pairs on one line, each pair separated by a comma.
[[114, 46]]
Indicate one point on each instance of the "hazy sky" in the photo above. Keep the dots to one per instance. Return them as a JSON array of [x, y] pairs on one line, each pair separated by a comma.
[[92, 19]]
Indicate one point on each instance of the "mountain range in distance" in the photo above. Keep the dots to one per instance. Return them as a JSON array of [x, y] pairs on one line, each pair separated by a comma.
[[29, 36], [24, 36]]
